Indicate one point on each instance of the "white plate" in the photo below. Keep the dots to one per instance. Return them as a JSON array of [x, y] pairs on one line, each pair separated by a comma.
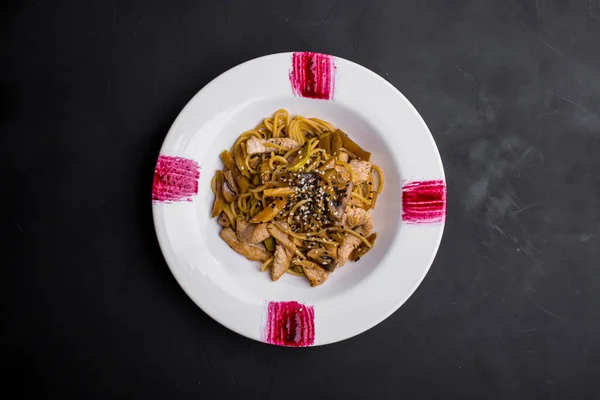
[[356, 297]]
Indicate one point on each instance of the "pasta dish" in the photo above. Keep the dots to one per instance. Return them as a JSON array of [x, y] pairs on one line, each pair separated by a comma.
[[296, 194]]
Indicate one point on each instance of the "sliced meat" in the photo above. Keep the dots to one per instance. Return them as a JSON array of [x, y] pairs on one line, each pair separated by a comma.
[[250, 251], [361, 170], [349, 244], [257, 146], [357, 217], [344, 156], [315, 274], [367, 227], [281, 263], [250, 233], [283, 239], [328, 165], [343, 173], [259, 234], [358, 203]]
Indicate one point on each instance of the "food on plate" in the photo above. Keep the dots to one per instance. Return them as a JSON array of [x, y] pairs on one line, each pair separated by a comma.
[[296, 194]]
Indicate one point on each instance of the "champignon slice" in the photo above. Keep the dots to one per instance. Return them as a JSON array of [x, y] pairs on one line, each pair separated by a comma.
[[223, 220], [281, 263], [315, 274], [336, 209], [230, 181], [251, 252], [258, 146], [228, 193], [250, 233], [323, 258], [331, 249], [361, 170]]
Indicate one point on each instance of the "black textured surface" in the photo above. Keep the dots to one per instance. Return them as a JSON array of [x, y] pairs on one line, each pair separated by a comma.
[[511, 92]]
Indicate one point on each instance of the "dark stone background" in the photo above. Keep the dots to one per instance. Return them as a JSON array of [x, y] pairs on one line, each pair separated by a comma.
[[510, 90]]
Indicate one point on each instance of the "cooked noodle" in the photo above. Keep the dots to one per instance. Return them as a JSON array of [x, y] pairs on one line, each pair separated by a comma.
[[305, 179]]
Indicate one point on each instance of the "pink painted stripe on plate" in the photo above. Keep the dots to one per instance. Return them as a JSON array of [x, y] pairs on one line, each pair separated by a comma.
[[175, 179], [290, 323], [424, 202], [313, 75]]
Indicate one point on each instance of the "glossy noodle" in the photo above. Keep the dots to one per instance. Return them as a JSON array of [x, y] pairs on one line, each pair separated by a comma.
[[296, 194]]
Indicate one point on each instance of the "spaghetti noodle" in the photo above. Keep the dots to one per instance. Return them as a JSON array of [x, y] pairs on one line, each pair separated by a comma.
[[296, 194]]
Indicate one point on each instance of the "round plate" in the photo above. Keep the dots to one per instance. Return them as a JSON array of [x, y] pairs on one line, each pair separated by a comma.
[[409, 217]]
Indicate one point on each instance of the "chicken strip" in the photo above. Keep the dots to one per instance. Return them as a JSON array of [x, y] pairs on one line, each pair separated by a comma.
[[283, 239], [250, 251], [250, 233], [281, 263], [361, 170], [328, 165], [358, 217], [315, 274], [349, 244], [257, 146], [343, 173]]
